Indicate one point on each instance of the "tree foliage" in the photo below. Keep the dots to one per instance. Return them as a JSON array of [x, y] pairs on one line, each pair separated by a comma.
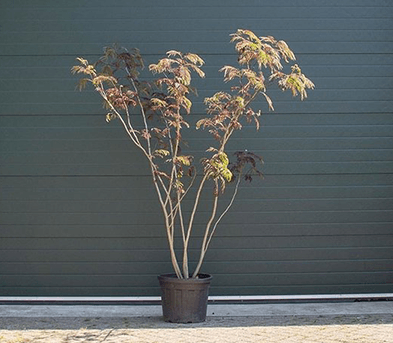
[[163, 105]]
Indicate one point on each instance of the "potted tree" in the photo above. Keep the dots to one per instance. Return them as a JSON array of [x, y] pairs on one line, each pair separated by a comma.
[[153, 115]]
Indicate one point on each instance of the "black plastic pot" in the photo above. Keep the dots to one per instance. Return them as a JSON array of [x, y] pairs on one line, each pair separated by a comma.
[[184, 300]]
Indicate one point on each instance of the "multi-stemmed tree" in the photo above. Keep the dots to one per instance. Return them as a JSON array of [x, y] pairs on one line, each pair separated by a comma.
[[163, 106]]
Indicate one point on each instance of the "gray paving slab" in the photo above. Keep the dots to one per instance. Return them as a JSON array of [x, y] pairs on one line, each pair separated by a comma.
[[246, 310]]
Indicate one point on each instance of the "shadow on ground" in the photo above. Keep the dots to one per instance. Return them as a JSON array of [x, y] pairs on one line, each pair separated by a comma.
[[67, 323]]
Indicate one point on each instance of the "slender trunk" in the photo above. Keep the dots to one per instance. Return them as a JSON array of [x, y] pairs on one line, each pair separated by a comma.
[[175, 264], [192, 216], [206, 244], [183, 233], [206, 235]]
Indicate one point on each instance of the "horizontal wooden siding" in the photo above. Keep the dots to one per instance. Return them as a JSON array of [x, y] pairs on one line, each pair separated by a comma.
[[78, 215]]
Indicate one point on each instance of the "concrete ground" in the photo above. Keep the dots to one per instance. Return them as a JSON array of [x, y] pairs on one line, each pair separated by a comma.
[[350, 322]]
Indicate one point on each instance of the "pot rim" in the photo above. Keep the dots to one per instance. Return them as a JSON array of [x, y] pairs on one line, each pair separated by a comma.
[[203, 278]]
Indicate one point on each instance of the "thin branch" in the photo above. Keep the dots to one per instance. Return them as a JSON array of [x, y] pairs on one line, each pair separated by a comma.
[[206, 235], [169, 234], [197, 198], [143, 114], [230, 130], [182, 229], [169, 224], [225, 211], [206, 245], [130, 131]]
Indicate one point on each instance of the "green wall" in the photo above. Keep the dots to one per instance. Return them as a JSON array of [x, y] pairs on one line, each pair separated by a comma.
[[78, 214]]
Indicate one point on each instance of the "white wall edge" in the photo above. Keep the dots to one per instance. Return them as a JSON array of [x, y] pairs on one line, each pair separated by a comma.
[[234, 298]]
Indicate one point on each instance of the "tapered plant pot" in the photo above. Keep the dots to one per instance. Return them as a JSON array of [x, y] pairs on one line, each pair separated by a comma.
[[184, 300]]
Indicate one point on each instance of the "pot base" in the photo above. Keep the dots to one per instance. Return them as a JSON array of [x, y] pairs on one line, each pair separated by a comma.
[[184, 300]]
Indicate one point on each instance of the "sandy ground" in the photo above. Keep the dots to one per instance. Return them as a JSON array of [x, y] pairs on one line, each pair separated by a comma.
[[299, 329]]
